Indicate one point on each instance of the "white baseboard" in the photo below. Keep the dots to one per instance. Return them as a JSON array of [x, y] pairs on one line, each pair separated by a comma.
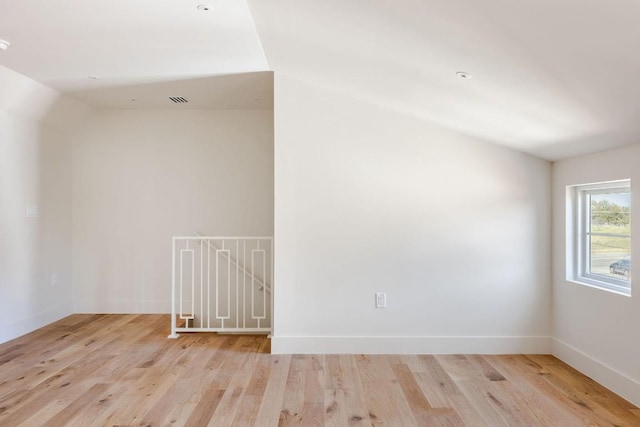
[[21, 327], [614, 380], [410, 345], [124, 306]]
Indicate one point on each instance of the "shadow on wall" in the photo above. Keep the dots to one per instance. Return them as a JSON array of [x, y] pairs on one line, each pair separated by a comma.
[[586, 144], [36, 127]]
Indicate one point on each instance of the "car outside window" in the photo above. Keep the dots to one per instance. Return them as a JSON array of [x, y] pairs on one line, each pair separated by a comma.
[[602, 230]]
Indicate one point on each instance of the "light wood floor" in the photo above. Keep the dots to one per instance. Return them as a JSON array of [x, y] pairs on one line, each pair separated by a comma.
[[121, 370]]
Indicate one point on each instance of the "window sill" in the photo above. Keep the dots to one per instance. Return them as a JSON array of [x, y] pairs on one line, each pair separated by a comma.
[[602, 286]]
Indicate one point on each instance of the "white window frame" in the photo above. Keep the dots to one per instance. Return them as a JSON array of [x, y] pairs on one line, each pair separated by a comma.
[[581, 229]]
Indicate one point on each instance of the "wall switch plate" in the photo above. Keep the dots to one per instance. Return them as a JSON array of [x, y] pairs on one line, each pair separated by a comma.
[[32, 211], [381, 300]]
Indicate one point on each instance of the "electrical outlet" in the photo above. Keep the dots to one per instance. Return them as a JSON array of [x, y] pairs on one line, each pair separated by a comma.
[[381, 300], [54, 279]]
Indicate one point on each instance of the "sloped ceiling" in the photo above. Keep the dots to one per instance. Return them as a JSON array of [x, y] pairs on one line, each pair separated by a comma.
[[555, 78]]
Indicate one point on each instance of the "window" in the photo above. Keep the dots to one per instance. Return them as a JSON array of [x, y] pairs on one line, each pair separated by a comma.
[[602, 234]]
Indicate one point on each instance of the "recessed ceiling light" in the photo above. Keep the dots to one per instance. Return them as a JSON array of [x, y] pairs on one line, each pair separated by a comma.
[[93, 77], [463, 75], [4, 45], [205, 7]]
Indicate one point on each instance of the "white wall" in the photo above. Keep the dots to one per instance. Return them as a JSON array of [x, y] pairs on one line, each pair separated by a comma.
[[143, 176], [36, 128], [597, 332], [454, 229]]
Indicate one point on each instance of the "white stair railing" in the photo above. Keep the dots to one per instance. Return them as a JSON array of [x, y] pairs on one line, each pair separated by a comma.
[[221, 284], [234, 263]]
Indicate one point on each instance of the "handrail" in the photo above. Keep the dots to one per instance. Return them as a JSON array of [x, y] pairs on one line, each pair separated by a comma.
[[213, 296], [261, 283]]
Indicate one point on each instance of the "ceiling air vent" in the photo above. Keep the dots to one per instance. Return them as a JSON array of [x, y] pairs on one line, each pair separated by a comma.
[[179, 99]]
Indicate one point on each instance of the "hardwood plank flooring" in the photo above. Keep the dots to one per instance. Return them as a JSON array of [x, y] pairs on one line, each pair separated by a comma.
[[121, 370]]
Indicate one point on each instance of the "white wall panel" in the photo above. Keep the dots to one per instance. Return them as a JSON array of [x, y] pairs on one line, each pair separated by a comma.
[[454, 229], [596, 331], [143, 176]]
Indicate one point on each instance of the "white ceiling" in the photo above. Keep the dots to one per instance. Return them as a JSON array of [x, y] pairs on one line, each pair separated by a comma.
[[145, 50], [555, 78]]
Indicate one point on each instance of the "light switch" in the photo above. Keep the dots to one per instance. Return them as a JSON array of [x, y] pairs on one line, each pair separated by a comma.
[[32, 211], [381, 300]]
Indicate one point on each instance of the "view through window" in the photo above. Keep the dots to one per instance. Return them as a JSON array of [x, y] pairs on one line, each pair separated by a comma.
[[610, 235], [603, 235]]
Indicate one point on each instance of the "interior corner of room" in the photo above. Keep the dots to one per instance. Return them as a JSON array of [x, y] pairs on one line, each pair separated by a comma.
[[459, 224]]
